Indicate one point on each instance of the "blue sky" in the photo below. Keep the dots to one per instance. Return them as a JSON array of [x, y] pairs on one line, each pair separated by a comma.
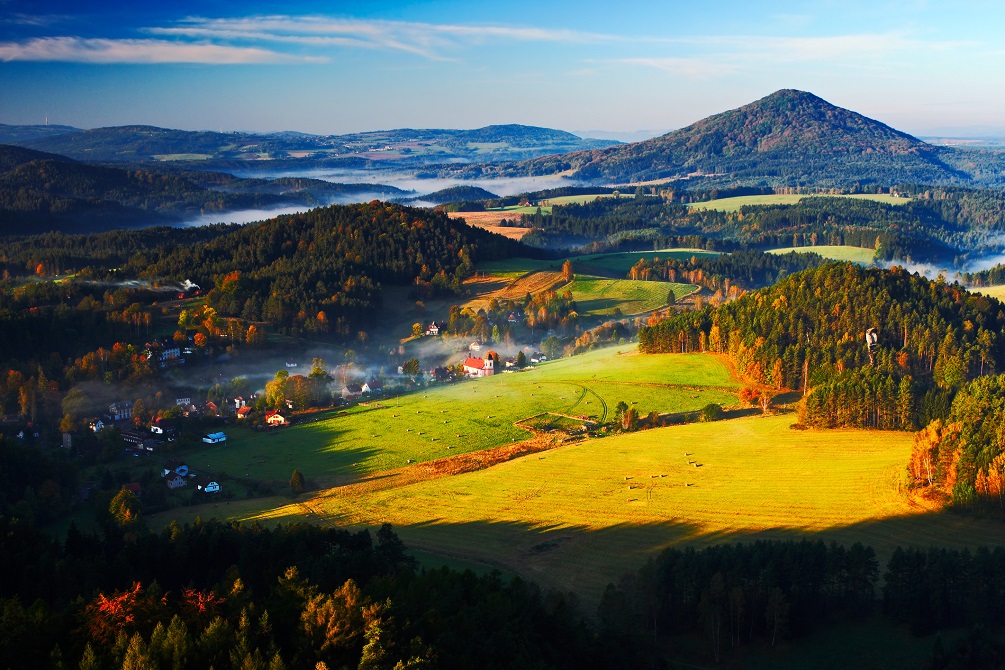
[[332, 67]]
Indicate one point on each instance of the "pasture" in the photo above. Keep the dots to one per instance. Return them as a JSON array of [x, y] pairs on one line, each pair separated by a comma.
[[466, 416], [860, 255], [735, 203], [990, 291], [594, 296], [577, 516]]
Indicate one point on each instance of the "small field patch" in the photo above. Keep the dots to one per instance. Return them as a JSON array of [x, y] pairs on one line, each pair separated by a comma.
[[860, 255], [735, 203]]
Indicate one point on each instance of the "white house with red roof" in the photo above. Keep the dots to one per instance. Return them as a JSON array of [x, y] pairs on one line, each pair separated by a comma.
[[275, 418], [479, 367]]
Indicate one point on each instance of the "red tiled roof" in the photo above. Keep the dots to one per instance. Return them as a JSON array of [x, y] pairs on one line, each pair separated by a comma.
[[477, 363], [244, 410]]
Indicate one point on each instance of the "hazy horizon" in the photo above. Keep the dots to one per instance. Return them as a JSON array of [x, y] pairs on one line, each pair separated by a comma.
[[338, 67]]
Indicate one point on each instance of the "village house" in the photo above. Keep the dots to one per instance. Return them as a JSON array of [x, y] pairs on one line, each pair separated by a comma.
[[214, 438], [97, 425], [275, 418], [479, 367], [175, 481], [352, 392], [440, 374], [164, 354], [435, 328], [239, 402], [244, 412], [183, 402], [211, 408], [373, 387], [475, 346], [207, 485], [120, 411]]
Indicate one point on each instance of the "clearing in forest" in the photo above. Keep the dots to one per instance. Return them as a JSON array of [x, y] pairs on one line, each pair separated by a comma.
[[735, 203], [860, 255]]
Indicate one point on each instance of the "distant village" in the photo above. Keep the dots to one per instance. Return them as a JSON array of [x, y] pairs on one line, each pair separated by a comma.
[[204, 421]]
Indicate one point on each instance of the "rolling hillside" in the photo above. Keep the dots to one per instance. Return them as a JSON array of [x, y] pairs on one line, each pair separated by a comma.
[[135, 144]]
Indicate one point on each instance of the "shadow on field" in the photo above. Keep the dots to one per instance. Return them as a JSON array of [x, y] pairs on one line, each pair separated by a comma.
[[585, 560], [596, 304]]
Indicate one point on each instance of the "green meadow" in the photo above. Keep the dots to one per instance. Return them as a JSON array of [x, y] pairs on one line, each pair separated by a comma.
[[579, 515], [599, 296], [468, 416], [860, 255]]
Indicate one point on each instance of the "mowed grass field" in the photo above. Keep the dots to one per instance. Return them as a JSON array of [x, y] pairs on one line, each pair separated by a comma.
[[860, 255], [735, 203], [467, 416], [576, 517]]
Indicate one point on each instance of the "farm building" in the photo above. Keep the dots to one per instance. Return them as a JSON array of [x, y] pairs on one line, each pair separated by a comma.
[[479, 367], [373, 387], [211, 408], [97, 425], [435, 328], [244, 412], [352, 392], [275, 418], [214, 438]]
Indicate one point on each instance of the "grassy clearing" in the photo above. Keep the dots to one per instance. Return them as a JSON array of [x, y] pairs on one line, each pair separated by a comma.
[[734, 204], [467, 416], [860, 255], [594, 296], [577, 516], [597, 296]]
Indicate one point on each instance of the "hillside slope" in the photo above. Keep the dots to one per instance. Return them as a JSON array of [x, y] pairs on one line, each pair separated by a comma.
[[789, 137]]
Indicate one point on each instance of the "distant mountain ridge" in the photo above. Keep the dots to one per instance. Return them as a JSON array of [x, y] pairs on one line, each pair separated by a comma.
[[790, 136], [140, 144]]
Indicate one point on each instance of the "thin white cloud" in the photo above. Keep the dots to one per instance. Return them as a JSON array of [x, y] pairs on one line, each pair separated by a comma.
[[425, 39], [106, 51]]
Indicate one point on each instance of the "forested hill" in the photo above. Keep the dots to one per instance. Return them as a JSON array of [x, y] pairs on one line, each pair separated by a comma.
[[789, 138], [930, 333], [41, 192], [318, 272], [139, 144]]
